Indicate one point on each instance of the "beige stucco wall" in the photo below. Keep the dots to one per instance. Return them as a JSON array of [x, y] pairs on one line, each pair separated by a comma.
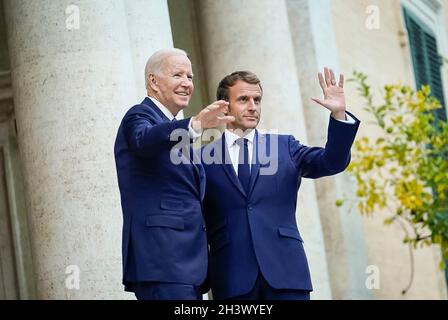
[[383, 55]]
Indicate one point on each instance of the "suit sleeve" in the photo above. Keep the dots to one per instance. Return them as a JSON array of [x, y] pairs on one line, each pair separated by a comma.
[[314, 162], [146, 137]]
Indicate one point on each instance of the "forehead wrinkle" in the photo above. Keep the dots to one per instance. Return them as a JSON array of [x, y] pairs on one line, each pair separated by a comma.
[[246, 89], [177, 68], [170, 65], [251, 94]]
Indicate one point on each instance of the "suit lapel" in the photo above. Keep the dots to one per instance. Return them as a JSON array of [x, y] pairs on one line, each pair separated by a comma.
[[255, 167], [159, 112], [260, 150], [200, 177], [199, 172]]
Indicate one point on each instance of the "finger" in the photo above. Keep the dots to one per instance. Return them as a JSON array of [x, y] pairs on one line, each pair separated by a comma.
[[226, 119], [319, 101], [217, 109], [327, 76], [224, 106], [221, 103], [321, 81], [218, 105], [214, 108], [332, 77], [341, 80]]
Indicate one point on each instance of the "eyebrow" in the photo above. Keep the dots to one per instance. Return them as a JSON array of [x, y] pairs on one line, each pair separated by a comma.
[[182, 71], [246, 96]]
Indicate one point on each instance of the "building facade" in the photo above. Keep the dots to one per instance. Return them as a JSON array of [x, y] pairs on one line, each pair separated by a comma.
[[69, 70]]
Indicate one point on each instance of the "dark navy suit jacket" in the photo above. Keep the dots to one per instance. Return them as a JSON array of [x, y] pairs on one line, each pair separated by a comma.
[[164, 236], [258, 230]]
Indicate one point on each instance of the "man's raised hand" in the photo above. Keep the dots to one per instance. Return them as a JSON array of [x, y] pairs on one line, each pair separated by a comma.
[[212, 116], [334, 97]]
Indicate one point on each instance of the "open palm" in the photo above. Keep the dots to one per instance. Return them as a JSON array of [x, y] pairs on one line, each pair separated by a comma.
[[334, 97]]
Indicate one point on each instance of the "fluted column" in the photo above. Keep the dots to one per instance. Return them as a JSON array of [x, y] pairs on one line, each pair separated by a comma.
[[149, 30], [315, 46], [71, 88], [254, 35]]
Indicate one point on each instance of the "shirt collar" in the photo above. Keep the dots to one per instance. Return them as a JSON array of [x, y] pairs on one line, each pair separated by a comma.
[[162, 108], [231, 137]]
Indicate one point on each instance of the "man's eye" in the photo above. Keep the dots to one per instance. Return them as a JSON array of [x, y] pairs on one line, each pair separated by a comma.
[[176, 75]]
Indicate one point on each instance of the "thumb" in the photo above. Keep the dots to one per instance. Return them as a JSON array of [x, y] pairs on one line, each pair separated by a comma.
[[226, 119], [319, 101]]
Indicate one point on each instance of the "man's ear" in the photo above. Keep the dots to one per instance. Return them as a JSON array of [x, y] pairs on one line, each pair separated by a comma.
[[153, 83], [227, 111]]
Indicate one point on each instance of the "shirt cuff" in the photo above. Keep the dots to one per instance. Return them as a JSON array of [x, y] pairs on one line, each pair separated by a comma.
[[349, 120], [193, 134]]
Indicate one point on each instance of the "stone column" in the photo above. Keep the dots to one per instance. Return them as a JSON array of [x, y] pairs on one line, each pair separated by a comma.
[[254, 35], [149, 30], [72, 85], [315, 46]]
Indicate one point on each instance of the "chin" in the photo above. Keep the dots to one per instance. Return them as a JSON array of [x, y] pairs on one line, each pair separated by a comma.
[[183, 105], [250, 125]]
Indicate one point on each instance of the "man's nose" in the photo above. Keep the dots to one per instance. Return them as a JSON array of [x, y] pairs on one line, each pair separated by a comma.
[[251, 104], [186, 82]]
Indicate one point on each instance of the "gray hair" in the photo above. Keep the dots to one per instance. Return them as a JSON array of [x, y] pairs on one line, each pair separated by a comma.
[[155, 61]]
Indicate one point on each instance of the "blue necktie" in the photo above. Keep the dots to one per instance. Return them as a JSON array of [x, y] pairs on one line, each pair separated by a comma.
[[243, 164]]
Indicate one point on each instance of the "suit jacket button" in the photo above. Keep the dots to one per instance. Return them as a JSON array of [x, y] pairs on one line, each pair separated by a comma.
[[249, 208], [204, 228]]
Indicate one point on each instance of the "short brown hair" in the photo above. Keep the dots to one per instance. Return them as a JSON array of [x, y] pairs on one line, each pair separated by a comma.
[[222, 93]]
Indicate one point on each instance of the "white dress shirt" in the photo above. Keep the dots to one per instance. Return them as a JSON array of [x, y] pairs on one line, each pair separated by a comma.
[[234, 148], [349, 119]]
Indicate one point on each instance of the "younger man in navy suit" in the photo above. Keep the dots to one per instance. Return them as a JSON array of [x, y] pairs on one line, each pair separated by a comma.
[[256, 251]]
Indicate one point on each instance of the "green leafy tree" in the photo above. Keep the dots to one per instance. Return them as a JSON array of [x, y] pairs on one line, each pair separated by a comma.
[[404, 171]]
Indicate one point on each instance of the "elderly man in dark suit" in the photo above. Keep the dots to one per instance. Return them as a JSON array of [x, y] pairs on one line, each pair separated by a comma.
[[164, 241]]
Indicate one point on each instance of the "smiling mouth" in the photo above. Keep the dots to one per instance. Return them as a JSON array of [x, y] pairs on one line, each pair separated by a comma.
[[251, 118], [183, 94]]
